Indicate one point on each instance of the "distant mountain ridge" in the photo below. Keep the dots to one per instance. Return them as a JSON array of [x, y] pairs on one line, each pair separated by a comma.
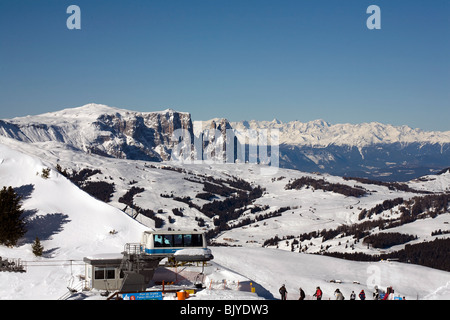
[[319, 133], [370, 150]]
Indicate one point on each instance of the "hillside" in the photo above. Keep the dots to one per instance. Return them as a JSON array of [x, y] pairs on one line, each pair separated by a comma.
[[73, 224], [270, 268], [177, 195], [70, 224]]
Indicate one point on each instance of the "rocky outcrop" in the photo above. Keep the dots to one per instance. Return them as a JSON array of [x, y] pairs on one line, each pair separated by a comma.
[[104, 131]]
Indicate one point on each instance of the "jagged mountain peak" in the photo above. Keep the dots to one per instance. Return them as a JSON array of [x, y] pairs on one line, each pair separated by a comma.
[[275, 120], [319, 122]]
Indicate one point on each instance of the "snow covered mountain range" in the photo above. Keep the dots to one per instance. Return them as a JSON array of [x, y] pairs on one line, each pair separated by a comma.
[[260, 219], [371, 150]]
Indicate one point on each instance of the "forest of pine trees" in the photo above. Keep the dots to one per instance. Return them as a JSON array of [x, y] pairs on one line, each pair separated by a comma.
[[433, 254], [322, 184], [100, 190]]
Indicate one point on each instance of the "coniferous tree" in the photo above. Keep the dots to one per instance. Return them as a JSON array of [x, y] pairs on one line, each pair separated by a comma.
[[37, 248], [12, 226]]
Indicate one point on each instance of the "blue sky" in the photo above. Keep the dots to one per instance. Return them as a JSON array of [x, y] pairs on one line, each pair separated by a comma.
[[238, 59]]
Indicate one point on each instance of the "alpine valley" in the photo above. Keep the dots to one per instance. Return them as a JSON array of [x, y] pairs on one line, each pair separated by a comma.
[[93, 178]]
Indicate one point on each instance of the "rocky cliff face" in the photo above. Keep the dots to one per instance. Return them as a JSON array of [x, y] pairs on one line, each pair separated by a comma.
[[141, 136], [104, 131]]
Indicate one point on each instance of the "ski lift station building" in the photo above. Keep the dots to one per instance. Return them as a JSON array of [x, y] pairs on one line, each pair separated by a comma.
[[134, 268], [102, 271]]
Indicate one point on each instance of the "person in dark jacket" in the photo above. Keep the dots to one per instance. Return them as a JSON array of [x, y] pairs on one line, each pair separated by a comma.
[[283, 292], [302, 294]]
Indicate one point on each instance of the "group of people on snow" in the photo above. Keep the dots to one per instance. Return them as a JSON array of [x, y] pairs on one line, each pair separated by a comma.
[[377, 294], [361, 295], [283, 293]]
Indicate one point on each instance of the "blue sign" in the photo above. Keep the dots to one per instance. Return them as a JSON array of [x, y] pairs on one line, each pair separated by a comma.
[[147, 295]]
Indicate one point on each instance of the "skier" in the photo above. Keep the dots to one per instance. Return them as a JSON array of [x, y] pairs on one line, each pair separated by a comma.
[[362, 295], [283, 292], [302, 294], [318, 294], [353, 295], [338, 294]]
